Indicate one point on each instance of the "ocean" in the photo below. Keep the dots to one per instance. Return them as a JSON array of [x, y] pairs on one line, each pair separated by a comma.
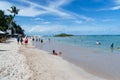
[[89, 41], [99, 60]]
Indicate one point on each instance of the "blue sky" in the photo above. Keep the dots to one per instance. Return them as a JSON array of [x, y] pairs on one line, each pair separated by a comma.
[[80, 17]]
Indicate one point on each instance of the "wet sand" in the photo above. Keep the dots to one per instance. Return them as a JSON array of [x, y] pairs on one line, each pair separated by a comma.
[[98, 63], [45, 66]]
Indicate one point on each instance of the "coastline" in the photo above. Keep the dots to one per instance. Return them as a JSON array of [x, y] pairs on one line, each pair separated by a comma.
[[98, 63], [18, 62], [50, 67]]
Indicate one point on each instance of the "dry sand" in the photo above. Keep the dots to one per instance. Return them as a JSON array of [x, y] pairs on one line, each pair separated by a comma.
[[12, 65], [33, 64]]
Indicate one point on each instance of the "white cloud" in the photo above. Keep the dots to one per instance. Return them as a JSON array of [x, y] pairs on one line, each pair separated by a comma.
[[117, 1], [45, 9], [58, 3], [30, 11], [4, 6], [78, 22], [53, 8], [115, 8], [38, 19]]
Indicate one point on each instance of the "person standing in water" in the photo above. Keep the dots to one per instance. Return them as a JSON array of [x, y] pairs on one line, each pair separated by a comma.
[[112, 46]]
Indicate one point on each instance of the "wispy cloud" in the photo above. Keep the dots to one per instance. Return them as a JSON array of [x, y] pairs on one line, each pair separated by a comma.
[[4, 5], [53, 8], [44, 9], [117, 1], [38, 19], [46, 29], [115, 6], [107, 20]]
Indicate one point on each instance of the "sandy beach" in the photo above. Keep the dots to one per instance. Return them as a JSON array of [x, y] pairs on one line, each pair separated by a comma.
[[99, 63], [18, 62]]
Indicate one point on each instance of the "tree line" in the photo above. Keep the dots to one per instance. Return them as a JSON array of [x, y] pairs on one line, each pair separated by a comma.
[[7, 22]]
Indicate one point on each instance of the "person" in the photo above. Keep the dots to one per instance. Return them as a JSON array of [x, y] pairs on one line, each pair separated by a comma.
[[97, 42], [33, 39], [49, 40], [18, 39], [36, 39], [54, 53], [21, 40], [26, 41], [112, 45], [41, 41]]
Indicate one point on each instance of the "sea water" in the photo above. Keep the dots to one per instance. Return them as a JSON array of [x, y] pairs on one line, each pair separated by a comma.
[[82, 51], [89, 41]]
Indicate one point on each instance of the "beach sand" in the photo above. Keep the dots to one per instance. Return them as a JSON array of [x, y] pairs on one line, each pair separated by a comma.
[[99, 63], [12, 64], [18, 62], [46, 66]]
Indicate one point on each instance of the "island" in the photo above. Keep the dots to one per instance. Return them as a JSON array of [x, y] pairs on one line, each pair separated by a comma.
[[63, 35]]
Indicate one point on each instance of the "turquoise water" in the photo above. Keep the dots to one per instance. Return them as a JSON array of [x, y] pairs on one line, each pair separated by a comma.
[[98, 60], [90, 41]]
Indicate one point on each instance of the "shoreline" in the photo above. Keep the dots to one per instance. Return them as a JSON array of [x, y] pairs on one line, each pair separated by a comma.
[[30, 63], [104, 65], [50, 67]]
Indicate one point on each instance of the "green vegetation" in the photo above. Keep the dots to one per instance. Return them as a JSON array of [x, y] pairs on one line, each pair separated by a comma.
[[63, 35], [7, 21]]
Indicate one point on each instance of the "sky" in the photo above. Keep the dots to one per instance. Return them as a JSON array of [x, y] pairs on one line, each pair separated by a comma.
[[79, 17]]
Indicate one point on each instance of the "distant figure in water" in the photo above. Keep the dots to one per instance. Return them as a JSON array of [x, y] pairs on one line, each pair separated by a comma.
[[112, 46], [33, 39], [54, 53], [98, 43], [41, 41], [49, 40]]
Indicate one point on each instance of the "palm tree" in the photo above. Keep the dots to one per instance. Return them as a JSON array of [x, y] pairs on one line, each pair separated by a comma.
[[15, 11]]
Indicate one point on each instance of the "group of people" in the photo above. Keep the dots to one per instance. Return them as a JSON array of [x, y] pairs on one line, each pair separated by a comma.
[[111, 46], [20, 40], [55, 53], [37, 39]]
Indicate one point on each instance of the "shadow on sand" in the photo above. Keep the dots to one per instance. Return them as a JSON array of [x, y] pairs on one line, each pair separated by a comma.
[[3, 50]]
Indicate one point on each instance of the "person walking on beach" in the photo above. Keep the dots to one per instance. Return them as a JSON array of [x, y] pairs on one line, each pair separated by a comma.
[[26, 41], [18, 39], [21, 40], [33, 39]]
